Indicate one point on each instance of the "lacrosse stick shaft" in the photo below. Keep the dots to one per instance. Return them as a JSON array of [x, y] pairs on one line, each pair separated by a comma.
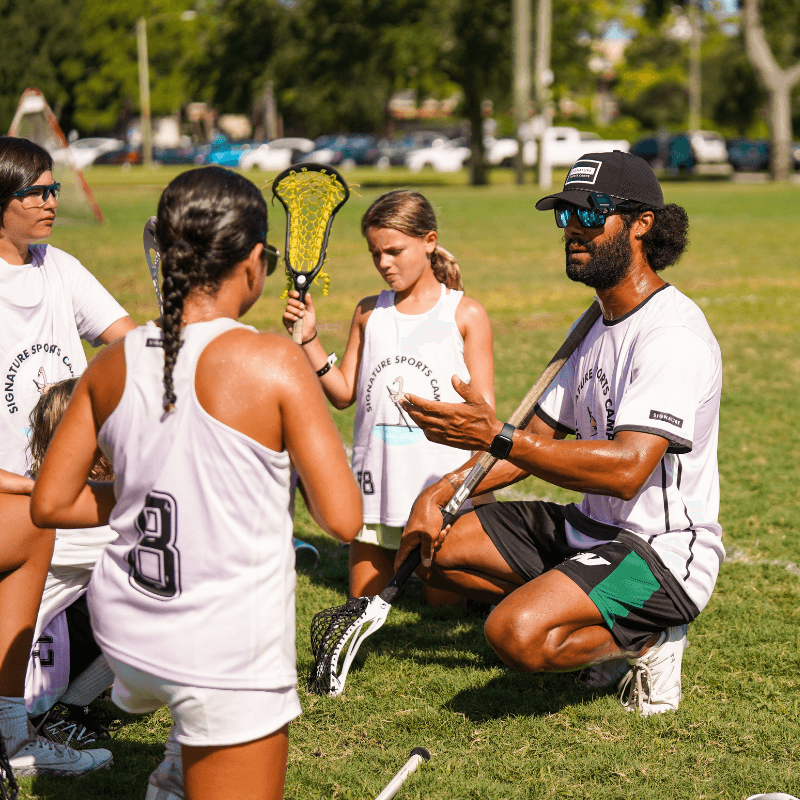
[[519, 418], [418, 755], [153, 258], [297, 331]]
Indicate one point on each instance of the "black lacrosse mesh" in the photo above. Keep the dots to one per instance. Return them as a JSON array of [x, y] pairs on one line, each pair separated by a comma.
[[8, 783], [328, 629]]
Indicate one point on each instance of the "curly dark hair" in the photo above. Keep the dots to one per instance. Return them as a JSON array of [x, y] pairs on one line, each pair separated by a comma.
[[666, 242], [208, 221]]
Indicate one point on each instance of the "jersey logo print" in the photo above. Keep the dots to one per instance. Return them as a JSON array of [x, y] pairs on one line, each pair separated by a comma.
[[590, 560], [592, 422], [154, 559], [401, 432], [44, 385]]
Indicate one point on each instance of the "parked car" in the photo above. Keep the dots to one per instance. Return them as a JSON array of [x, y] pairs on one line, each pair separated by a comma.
[[748, 155], [125, 154], [503, 152], [184, 154], [690, 152], [277, 155], [83, 152], [752, 155], [708, 147], [226, 153], [564, 146], [447, 156], [345, 150], [395, 152]]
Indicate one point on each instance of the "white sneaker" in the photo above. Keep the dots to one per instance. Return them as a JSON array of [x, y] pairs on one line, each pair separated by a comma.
[[40, 756], [166, 781], [602, 676], [653, 683], [772, 796]]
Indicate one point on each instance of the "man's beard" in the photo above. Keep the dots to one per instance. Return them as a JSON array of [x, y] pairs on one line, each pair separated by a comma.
[[608, 263]]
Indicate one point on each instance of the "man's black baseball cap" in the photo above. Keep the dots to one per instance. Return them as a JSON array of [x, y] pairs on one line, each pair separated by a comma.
[[623, 176]]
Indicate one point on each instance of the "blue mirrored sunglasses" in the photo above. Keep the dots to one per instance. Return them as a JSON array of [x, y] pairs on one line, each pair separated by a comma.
[[595, 217], [32, 194], [587, 217]]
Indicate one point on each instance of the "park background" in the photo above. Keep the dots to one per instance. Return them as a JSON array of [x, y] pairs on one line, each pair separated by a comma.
[[428, 678]]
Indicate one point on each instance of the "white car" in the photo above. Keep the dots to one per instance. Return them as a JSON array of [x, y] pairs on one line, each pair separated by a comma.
[[277, 155], [503, 152], [83, 152], [708, 147], [448, 156]]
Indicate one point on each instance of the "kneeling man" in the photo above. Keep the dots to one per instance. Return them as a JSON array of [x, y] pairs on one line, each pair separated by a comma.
[[609, 583]]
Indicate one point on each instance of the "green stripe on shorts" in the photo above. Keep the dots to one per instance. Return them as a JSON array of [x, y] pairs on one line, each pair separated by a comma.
[[630, 585]]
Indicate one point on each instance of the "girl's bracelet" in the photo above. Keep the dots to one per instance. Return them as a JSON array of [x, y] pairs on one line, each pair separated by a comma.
[[309, 340]]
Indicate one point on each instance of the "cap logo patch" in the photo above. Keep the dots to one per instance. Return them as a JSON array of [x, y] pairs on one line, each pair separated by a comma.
[[584, 171]]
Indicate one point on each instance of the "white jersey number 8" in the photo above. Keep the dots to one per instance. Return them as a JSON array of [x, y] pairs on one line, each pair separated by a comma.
[[155, 560]]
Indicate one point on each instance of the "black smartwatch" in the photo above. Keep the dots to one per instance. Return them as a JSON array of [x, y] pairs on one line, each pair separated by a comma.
[[501, 444]]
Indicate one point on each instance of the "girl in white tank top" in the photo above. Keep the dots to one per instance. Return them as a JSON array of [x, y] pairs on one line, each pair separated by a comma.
[[412, 338], [200, 416]]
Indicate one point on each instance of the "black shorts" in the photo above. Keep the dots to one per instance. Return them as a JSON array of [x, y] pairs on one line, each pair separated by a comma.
[[625, 578]]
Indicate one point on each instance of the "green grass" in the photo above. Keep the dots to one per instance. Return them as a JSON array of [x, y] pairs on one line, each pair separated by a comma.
[[429, 678]]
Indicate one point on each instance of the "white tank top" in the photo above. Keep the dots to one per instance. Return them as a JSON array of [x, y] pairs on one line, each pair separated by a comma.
[[392, 460], [199, 588]]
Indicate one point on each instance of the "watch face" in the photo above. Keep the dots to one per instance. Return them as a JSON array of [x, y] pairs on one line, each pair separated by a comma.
[[501, 444]]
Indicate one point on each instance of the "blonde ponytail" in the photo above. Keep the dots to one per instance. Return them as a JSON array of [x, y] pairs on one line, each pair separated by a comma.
[[446, 268]]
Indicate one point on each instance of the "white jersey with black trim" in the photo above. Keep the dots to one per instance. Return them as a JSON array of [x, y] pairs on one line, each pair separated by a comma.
[[46, 308], [199, 588], [658, 370], [415, 353]]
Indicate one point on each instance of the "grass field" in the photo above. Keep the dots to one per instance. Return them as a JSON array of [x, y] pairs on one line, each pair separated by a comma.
[[429, 678]]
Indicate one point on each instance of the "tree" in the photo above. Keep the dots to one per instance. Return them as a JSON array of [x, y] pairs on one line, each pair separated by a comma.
[[339, 61], [107, 91], [777, 80], [41, 47], [478, 59]]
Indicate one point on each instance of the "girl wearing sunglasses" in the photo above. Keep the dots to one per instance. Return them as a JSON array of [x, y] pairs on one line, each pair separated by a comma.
[[48, 303]]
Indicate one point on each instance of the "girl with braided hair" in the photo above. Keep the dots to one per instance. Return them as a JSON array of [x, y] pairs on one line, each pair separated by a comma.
[[200, 415], [412, 337]]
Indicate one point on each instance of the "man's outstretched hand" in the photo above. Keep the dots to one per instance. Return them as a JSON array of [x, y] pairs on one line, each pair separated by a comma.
[[471, 425]]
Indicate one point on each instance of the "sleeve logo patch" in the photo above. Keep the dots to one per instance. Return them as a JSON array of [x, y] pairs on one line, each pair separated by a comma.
[[583, 171], [662, 416]]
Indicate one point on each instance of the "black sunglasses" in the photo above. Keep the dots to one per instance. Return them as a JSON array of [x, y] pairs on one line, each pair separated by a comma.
[[272, 254]]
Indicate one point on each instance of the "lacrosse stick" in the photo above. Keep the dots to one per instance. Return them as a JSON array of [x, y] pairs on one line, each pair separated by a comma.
[[416, 757], [311, 194], [8, 783], [153, 258], [359, 617]]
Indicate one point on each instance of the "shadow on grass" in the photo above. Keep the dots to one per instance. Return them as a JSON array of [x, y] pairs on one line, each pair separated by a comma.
[[515, 694], [127, 778]]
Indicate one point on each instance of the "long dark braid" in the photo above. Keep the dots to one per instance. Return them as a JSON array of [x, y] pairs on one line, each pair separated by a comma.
[[208, 221]]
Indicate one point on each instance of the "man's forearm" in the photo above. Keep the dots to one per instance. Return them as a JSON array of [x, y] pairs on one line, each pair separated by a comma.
[[618, 467]]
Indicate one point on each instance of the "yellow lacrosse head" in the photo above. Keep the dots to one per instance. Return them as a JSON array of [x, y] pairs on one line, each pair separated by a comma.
[[311, 195]]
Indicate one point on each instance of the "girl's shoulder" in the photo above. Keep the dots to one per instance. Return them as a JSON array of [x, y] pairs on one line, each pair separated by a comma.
[[471, 309], [366, 306]]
